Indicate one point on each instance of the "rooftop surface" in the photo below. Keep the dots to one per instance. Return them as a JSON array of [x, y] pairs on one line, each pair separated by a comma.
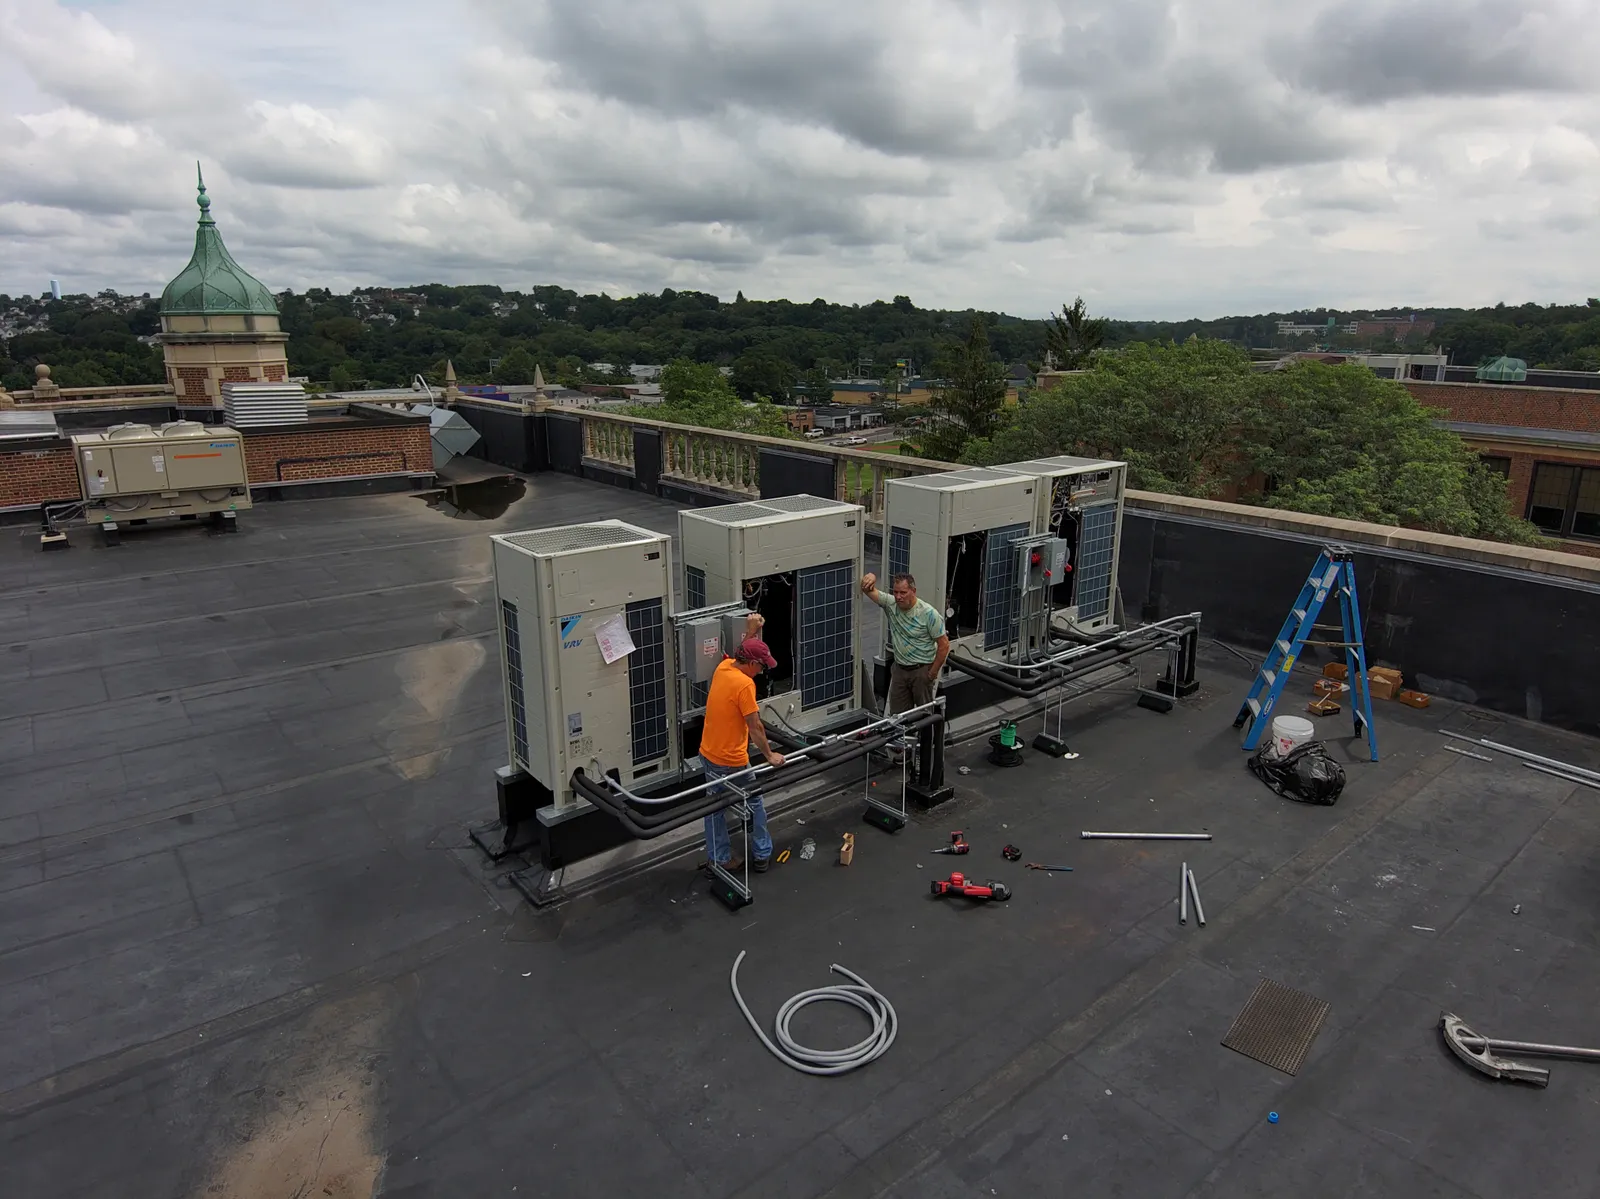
[[242, 951]]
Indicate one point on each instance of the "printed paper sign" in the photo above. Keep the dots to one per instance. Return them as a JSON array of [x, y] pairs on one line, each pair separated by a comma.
[[612, 637]]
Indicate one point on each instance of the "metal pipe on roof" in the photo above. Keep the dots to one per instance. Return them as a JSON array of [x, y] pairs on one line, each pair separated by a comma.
[[1145, 836], [1525, 755]]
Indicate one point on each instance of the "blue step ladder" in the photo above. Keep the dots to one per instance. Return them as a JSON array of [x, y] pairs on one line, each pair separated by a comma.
[[1335, 572]]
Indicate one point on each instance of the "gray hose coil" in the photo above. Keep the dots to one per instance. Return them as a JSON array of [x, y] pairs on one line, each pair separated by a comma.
[[826, 1061]]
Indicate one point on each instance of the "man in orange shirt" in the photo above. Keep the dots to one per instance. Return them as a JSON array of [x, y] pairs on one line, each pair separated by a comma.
[[732, 721]]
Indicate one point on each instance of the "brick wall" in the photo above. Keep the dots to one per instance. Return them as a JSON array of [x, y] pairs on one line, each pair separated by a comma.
[[275, 372], [1524, 407], [193, 379], [29, 477], [337, 451], [238, 374]]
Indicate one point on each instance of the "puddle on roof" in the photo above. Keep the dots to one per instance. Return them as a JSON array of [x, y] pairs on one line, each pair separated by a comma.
[[486, 499]]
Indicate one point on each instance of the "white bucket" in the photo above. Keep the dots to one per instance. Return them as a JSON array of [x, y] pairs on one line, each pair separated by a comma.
[[1288, 732]]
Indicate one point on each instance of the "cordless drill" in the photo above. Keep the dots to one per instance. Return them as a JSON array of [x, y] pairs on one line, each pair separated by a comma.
[[958, 844], [957, 884]]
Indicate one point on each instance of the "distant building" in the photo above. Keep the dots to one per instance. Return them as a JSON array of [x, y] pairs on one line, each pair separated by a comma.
[[1330, 327], [219, 324], [644, 372], [55, 289], [1401, 328]]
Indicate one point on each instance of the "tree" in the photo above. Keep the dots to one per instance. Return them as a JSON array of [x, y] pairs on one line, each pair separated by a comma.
[[817, 383], [762, 374], [696, 393], [1071, 337], [970, 398], [516, 368], [1171, 412]]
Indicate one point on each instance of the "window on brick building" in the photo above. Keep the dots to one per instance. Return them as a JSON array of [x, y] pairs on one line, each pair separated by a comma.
[[1565, 500], [1497, 463]]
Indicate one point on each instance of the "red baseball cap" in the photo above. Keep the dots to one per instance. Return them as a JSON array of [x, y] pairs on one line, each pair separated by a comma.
[[753, 649]]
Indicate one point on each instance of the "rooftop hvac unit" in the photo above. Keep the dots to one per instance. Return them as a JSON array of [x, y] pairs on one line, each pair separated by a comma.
[[1079, 501], [956, 533], [796, 560], [182, 468], [586, 659], [256, 405]]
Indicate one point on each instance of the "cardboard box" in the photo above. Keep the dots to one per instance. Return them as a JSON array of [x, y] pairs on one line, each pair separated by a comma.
[[1415, 699], [1323, 687], [1382, 688], [1334, 670], [1323, 707]]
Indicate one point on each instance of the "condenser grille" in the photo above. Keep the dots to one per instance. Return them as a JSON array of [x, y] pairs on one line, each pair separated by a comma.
[[801, 503], [694, 587], [1096, 541], [574, 537], [899, 553], [732, 514], [647, 681], [827, 625], [1000, 597], [519, 708]]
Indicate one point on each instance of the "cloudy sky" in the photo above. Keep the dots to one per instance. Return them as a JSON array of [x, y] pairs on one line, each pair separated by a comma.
[[1164, 158]]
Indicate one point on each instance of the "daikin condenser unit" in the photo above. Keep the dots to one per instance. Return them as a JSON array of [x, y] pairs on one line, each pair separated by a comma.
[[956, 534], [1079, 500], [797, 561], [587, 663]]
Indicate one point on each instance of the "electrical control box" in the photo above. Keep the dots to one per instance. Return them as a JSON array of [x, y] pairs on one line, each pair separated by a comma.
[[587, 661], [797, 560], [955, 533], [143, 472], [1043, 564]]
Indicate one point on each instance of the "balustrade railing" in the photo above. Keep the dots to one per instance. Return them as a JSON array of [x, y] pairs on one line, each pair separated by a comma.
[[730, 463]]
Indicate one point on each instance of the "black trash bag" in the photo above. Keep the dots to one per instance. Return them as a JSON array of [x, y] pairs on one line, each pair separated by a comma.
[[1307, 774]]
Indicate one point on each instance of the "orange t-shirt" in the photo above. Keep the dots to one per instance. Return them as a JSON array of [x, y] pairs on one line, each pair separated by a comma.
[[725, 739]]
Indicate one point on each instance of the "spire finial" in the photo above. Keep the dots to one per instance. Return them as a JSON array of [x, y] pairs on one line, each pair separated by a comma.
[[204, 200]]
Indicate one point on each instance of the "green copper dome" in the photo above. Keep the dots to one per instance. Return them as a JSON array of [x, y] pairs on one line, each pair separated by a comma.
[[213, 283]]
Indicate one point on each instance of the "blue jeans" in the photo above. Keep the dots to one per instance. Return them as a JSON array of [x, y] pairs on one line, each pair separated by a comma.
[[718, 848]]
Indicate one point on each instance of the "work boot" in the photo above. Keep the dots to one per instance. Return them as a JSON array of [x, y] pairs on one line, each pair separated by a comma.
[[760, 865]]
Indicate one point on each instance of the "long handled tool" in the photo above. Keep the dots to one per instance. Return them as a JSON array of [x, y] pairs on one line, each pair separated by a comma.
[[1052, 869], [1481, 1052]]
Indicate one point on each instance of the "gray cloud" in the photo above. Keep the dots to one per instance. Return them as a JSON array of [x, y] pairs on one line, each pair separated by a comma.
[[1373, 51], [1163, 156]]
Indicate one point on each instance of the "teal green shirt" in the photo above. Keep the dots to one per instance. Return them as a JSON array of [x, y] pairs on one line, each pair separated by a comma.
[[914, 633]]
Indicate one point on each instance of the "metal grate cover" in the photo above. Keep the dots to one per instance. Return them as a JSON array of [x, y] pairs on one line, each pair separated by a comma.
[[647, 681], [827, 624], [1277, 1026], [694, 587], [576, 537], [732, 514], [514, 683], [803, 503], [899, 552], [1095, 544], [1000, 594]]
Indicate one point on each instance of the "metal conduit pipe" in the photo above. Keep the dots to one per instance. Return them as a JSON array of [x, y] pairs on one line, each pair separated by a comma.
[[900, 722], [1170, 629], [988, 672], [645, 826]]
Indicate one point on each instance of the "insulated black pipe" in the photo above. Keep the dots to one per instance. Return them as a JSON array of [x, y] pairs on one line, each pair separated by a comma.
[[647, 825]]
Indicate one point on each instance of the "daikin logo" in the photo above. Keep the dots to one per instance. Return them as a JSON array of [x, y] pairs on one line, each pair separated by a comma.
[[568, 623]]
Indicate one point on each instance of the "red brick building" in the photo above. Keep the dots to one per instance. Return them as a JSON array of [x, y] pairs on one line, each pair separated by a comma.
[[1545, 440]]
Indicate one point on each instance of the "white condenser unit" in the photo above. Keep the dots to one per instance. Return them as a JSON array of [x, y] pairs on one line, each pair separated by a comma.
[[1079, 500], [798, 561], [956, 533], [569, 597]]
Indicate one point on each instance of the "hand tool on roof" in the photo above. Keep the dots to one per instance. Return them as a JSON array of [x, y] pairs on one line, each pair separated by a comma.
[[1475, 1051], [958, 844], [1010, 853], [1145, 836], [1480, 1052], [1037, 866], [957, 884]]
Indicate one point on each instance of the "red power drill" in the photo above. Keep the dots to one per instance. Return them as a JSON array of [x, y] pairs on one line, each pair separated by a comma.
[[958, 844], [957, 884]]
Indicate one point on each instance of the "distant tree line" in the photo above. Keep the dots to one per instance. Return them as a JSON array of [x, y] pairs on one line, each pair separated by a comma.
[[776, 348]]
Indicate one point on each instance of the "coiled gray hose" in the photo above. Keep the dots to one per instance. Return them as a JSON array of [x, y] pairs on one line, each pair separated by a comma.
[[826, 1061]]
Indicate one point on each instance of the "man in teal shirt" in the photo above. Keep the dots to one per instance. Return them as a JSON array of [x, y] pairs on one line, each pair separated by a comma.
[[916, 633]]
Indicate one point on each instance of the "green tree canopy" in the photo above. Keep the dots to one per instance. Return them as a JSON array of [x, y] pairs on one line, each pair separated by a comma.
[[696, 393], [1194, 419], [515, 368], [762, 374], [1071, 337]]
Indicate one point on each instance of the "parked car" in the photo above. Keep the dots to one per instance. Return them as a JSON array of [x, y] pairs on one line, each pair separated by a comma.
[[854, 441], [815, 433]]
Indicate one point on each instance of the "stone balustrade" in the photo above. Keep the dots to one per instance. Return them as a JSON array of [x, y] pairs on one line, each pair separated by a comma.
[[730, 463]]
